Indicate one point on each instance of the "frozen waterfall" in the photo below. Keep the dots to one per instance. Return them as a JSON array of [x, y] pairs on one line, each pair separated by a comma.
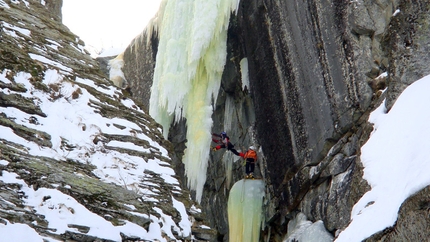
[[189, 64], [245, 208], [115, 72]]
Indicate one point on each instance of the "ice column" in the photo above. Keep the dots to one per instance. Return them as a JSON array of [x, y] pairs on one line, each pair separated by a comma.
[[245, 207], [189, 64]]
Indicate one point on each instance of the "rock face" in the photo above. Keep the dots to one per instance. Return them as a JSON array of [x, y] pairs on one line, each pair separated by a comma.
[[407, 46], [139, 63], [54, 8], [309, 76], [314, 77], [413, 222], [34, 43]]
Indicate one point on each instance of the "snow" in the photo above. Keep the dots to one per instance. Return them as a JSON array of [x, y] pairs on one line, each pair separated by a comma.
[[61, 210], [12, 30], [3, 4], [49, 62], [300, 229], [396, 158], [185, 223], [109, 91], [54, 45], [80, 124], [18, 232], [18, 2], [396, 161]]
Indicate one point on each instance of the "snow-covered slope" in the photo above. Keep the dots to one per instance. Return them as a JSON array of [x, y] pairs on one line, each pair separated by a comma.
[[396, 161], [77, 157]]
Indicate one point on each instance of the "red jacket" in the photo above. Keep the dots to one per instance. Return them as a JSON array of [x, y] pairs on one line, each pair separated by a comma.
[[222, 140]]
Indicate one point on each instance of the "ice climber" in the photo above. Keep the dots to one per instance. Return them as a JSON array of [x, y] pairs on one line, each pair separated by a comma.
[[250, 157], [223, 141]]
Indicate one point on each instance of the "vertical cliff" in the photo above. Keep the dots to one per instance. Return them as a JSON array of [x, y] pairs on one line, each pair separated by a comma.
[[314, 75], [308, 77], [140, 65], [54, 8]]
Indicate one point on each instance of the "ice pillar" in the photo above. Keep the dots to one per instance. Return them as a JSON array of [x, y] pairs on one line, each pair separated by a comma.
[[245, 207]]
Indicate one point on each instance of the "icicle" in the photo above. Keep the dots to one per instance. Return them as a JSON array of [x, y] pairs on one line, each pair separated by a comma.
[[245, 73], [187, 77], [245, 210], [228, 113], [229, 158], [235, 5]]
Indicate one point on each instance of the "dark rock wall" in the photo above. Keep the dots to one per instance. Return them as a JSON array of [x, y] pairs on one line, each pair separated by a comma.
[[407, 42], [54, 8], [313, 68], [139, 64], [306, 87], [234, 103]]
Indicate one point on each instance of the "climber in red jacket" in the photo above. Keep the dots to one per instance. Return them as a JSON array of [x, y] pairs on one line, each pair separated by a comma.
[[223, 141], [251, 157]]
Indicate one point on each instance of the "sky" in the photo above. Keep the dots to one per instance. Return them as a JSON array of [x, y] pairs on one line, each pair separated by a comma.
[[107, 24]]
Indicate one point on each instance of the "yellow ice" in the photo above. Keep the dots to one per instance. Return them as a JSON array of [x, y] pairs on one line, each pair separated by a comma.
[[245, 209]]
